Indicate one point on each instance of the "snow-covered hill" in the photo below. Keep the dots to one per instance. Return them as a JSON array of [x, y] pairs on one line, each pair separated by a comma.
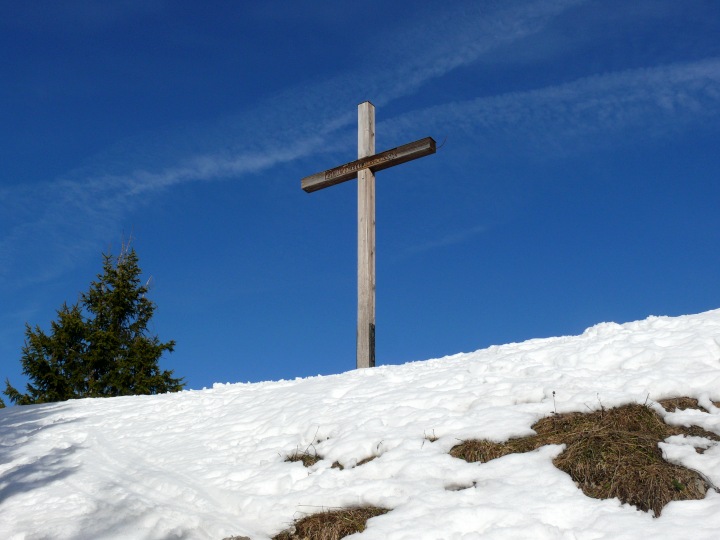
[[211, 464]]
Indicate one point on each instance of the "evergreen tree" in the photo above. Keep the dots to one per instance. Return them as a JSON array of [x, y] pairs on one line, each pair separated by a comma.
[[53, 362], [121, 358], [105, 351]]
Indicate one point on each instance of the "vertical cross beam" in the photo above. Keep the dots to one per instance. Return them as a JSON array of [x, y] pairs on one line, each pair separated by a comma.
[[366, 240]]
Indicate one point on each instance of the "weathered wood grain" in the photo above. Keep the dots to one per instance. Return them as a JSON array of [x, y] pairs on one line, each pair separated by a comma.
[[366, 240], [374, 162]]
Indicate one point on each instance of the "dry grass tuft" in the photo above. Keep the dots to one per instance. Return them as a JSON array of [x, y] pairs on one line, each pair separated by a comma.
[[609, 453], [337, 465], [308, 458], [332, 524], [366, 460], [681, 403]]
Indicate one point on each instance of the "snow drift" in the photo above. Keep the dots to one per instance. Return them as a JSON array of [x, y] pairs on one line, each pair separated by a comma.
[[210, 464]]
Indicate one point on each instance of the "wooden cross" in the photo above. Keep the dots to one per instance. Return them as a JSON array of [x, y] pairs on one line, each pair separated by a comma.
[[364, 169]]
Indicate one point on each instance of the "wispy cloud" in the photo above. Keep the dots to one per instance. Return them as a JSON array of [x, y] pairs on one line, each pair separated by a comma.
[[459, 36], [564, 119], [71, 214], [649, 102]]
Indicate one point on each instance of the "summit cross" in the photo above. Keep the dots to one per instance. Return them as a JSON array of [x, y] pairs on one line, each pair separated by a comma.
[[364, 169]]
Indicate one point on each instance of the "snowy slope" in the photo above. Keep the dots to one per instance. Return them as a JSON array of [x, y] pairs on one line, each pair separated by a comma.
[[210, 464]]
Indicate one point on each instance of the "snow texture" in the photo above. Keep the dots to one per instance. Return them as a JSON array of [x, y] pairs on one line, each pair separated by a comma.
[[210, 464]]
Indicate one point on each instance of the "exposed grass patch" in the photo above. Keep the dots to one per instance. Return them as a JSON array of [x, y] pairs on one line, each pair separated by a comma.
[[673, 404], [331, 524], [307, 457], [681, 403], [337, 465], [609, 453], [366, 460], [459, 487]]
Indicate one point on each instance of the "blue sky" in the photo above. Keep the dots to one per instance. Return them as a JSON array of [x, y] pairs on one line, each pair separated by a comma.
[[577, 180]]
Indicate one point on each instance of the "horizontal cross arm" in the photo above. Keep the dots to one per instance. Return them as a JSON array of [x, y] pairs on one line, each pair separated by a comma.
[[377, 162]]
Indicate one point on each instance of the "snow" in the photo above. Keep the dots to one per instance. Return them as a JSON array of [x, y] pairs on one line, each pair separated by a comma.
[[210, 464]]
